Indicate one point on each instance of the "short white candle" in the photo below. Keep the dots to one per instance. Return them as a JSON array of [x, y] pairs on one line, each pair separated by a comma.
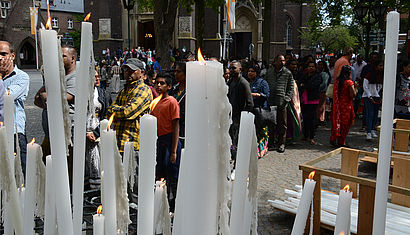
[[49, 45], [385, 143], [21, 192], [128, 151], [33, 154], [146, 174], [241, 173], [304, 205], [343, 211], [50, 206], [98, 222], [80, 119], [109, 202]]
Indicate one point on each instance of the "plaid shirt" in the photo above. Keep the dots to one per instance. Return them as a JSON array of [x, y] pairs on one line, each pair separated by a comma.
[[131, 103]]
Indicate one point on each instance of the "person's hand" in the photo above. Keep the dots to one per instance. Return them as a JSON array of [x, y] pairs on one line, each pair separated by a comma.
[[90, 136], [5, 65], [173, 158], [256, 94]]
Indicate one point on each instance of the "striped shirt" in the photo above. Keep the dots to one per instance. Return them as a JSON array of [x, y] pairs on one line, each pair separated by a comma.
[[131, 103], [17, 83]]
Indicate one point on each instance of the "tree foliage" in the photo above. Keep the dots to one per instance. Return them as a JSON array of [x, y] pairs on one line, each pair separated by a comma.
[[331, 39]]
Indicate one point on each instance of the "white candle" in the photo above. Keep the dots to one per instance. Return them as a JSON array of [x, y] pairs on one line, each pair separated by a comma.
[[146, 174], [33, 151], [50, 206], [81, 101], [200, 171], [389, 84], [12, 206], [98, 222], [304, 205], [9, 113], [241, 173], [128, 151], [57, 138], [21, 192], [343, 211], [109, 202], [160, 189]]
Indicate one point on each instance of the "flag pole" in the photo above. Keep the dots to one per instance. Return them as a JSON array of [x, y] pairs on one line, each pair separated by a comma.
[[35, 33]]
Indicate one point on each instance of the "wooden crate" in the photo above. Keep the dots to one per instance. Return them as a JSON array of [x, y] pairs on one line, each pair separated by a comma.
[[362, 188]]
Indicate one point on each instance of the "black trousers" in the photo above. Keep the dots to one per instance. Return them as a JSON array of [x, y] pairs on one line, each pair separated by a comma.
[[309, 120], [280, 128]]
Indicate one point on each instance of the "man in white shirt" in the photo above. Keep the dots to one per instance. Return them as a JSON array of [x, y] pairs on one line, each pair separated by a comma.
[[358, 66]]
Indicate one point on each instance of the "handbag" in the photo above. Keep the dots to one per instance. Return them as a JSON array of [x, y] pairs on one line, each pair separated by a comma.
[[329, 91], [265, 116]]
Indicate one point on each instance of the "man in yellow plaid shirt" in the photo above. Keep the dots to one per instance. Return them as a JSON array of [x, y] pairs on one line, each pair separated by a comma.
[[131, 103]]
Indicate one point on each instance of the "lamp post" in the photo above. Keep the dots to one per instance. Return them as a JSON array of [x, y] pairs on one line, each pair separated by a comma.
[[367, 8], [129, 5]]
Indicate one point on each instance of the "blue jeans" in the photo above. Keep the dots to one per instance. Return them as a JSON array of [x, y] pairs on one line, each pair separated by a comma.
[[372, 111]]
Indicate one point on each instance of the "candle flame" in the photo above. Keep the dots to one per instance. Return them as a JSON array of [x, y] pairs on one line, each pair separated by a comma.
[[48, 24], [346, 188], [33, 140], [155, 102], [8, 92], [110, 121], [342, 233], [1, 124], [87, 18], [15, 154], [99, 209], [200, 57], [162, 179], [128, 140], [311, 175], [22, 185]]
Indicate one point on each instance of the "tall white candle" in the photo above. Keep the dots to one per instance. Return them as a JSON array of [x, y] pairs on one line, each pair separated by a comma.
[[128, 151], [241, 173], [57, 138], [9, 112], [343, 211], [12, 206], [109, 202], [50, 206], [33, 152], [81, 101], [200, 171], [21, 192], [98, 222], [304, 206], [389, 84], [146, 174]]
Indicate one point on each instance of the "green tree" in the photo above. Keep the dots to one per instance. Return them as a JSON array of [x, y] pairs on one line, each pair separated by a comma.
[[331, 39]]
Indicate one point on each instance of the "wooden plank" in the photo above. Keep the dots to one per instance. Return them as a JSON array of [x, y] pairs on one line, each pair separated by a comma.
[[401, 177], [401, 141], [366, 210], [350, 166], [373, 160], [316, 203], [359, 180], [323, 157]]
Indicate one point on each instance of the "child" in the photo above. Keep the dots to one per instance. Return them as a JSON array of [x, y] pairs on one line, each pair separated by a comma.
[[168, 146]]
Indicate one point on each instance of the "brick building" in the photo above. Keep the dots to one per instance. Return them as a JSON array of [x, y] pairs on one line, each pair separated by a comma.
[[66, 17], [287, 18]]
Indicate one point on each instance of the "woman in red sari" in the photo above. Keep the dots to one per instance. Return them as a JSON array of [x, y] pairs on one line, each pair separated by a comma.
[[344, 91]]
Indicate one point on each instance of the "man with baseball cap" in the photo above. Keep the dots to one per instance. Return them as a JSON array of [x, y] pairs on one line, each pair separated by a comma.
[[132, 102]]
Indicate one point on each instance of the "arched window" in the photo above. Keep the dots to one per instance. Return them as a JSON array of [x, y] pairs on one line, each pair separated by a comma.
[[288, 32]]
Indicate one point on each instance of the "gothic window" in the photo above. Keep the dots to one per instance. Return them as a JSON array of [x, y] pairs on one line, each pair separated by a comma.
[[288, 32], [70, 24], [54, 22]]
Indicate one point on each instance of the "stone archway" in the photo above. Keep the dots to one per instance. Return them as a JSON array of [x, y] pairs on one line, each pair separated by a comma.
[[245, 32], [26, 54]]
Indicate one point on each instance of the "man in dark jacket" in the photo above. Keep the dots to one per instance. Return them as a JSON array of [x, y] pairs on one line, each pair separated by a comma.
[[240, 97], [280, 81]]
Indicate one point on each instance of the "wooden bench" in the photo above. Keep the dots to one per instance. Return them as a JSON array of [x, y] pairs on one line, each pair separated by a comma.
[[362, 188]]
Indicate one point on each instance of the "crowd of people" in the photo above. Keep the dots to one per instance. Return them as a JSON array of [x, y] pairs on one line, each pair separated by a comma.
[[291, 98]]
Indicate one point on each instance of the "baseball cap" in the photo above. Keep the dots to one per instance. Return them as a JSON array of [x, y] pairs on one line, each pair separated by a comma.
[[134, 64]]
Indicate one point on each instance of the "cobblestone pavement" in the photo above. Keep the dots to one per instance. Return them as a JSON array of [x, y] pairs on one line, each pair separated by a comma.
[[281, 171], [276, 171]]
